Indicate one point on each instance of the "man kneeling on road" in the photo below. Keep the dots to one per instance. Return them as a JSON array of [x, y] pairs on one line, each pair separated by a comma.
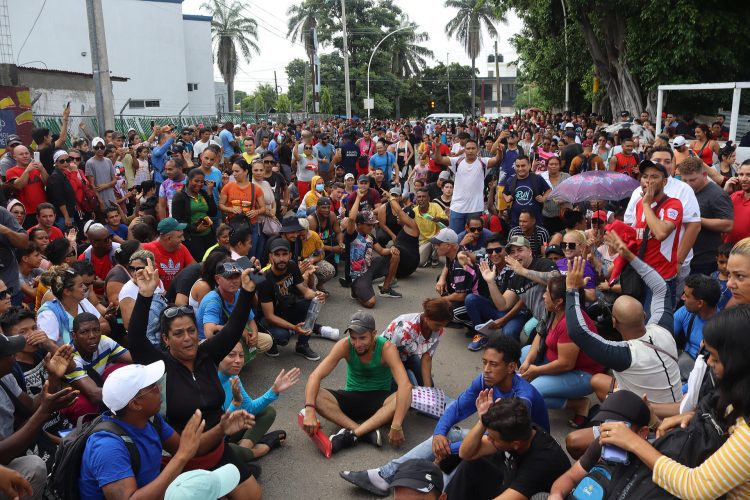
[[373, 363], [500, 362]]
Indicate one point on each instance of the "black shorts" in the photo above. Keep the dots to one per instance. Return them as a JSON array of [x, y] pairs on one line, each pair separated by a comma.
[[360, 406], [362, 286]]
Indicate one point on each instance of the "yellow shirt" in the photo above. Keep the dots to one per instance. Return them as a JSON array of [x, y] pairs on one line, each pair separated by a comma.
[[249, 158], [725, 472], [312, 243], [428, 228]]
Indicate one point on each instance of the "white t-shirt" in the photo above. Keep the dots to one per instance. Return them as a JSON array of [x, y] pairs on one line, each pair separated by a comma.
[[468, 188], [691, 212], [199, 147], [47, 320], [130, 291]]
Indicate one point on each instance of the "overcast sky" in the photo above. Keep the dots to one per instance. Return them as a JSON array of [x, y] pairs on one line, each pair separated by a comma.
[[276, 50]]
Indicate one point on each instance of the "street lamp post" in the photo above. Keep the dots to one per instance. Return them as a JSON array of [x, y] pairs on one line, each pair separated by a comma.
[[370, 62]]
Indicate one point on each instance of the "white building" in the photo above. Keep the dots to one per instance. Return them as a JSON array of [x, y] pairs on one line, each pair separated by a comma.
[[165, 56], [487, 91]]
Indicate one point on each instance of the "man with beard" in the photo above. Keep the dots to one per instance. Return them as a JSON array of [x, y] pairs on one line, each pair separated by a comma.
[[373, 364]]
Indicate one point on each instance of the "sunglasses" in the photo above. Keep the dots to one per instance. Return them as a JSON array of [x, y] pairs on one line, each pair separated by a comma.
[[269, 162], [475, 229], [74, 158], [99, 147], [63, 160], [307, 149], [568, 246], [172, 312], [4, 293], [135, 269], [497, 250]]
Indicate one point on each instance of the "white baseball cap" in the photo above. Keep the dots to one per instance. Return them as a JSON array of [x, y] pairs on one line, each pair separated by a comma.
[[678, 141], [97, 141], [123, 384]]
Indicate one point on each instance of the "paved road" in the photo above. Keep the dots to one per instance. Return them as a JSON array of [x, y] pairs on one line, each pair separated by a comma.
[[297, 469]]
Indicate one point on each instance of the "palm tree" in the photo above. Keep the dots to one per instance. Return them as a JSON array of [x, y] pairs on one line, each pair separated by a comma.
[[303, 19], [409, 56], [472, 17], [231, 32]]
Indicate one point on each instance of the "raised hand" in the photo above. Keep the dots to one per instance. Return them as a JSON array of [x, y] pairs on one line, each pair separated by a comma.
[[247, 284], [236, 391], [285, 380], [58, 364], [484, 401], [232, 423], [488, 272], [574, 278], [147, 279], [190, 438], [512, 263], [56, 401]]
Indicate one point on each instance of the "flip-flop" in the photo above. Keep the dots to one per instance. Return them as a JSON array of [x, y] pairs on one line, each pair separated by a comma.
[[273, 439]]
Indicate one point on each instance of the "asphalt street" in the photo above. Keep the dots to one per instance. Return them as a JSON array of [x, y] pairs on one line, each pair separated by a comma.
[[297, 469]]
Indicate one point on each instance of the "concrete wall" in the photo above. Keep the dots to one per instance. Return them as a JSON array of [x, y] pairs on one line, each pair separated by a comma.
[[199, 67], [145, 43], [53, 91]]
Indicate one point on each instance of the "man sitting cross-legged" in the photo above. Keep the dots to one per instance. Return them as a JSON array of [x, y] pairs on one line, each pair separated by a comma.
[[499, 365], [373, 363]]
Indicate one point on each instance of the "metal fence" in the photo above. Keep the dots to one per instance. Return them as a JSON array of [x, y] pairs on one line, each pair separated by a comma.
[[77, 125]]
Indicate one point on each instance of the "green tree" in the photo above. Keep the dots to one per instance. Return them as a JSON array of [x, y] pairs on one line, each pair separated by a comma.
[[232, 35], [472, 17], [283, 104], [295, 72], [259, 104], [326, 104]]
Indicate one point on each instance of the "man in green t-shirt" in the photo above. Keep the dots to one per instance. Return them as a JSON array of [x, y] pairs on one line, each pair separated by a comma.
[[373, 364]]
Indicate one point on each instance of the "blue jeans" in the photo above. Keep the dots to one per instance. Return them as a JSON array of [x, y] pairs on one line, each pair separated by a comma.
[[413, 365], [423, 451], [259, 243], [295, 314], [458, 220], [481, 309], [557, 389]]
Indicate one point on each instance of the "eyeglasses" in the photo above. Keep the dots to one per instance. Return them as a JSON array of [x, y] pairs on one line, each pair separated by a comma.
[[135, 269], [475, 229], [497, 250], [307, 149], [4, 294], [269, 162], [568, 246], [172, 312]]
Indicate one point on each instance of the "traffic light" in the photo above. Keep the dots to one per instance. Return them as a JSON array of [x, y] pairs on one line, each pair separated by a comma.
[[432, 104]]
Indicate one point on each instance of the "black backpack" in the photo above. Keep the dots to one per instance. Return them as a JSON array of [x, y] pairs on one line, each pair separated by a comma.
[[63, 480], [690, 447]]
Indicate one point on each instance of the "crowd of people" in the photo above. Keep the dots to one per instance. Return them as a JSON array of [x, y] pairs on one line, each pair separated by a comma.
[[141, 275]]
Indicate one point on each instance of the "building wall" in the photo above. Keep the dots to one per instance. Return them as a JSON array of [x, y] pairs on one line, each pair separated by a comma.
[[145, 43], [199, 67], [51, 92]]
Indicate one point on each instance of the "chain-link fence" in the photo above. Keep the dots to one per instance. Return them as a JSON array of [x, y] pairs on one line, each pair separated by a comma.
[[82, 126]]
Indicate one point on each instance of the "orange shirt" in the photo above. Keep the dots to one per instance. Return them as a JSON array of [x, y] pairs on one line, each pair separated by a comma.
[[244, 197]]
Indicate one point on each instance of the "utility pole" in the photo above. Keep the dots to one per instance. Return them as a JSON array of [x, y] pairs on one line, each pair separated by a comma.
[[498, 93], [567, 75], [448, 72], [105, 113], [275, 84], [347, 89]]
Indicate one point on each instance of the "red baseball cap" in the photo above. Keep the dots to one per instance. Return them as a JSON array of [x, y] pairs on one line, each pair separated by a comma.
[[601, 215]]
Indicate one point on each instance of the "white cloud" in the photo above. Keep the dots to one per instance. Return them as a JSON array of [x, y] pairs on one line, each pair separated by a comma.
[[276, 50]]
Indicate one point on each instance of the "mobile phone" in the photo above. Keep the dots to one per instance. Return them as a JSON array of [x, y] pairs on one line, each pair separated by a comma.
[[153, 123], [244, 262], [614, 454], [37, 157], [67, 105]]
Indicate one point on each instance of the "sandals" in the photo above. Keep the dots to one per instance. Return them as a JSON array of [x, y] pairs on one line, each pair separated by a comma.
[[582, 421], [273, 439]]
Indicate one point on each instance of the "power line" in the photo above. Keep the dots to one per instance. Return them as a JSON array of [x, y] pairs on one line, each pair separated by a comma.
[[18, 57]]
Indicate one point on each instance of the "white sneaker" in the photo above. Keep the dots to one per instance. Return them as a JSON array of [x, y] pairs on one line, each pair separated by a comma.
[[329, 333]]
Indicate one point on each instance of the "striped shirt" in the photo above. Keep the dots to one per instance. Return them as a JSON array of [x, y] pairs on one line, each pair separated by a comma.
[[538, 239], [107, 350], [725, 472]]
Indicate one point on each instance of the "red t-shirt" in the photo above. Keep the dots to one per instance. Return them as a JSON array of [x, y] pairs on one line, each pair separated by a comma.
[[169, 263], [53, 233], [32, 194], [741, 227], [559, 335], [445, 151], [74, 177], [661, 255]]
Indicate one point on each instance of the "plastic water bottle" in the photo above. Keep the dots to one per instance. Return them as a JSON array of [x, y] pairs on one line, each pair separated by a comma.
[[312, 314]]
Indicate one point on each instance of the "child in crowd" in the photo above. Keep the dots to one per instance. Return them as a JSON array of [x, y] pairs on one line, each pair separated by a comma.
[[722, 257]]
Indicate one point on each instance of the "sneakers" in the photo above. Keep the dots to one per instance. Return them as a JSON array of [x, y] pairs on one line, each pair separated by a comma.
[[273, 352], [435, 262], [342, 439], [306, 352], [329, 333], [345, 282], [389, 292], [362, 480], [374, 438], [478, 342]]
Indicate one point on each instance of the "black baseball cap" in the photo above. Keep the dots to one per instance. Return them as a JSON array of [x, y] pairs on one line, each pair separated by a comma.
[[11, 345], [420, 475], [646, 164], [557, 249], [361, 322], [624, 406], [279, 244]]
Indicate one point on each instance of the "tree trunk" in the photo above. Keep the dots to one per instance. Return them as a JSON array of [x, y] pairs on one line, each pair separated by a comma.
[[473, 86], [608, 55], [397, 106], [230, 93]]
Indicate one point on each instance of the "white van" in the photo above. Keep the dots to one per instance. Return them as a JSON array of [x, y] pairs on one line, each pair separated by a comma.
[[445, 117]]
